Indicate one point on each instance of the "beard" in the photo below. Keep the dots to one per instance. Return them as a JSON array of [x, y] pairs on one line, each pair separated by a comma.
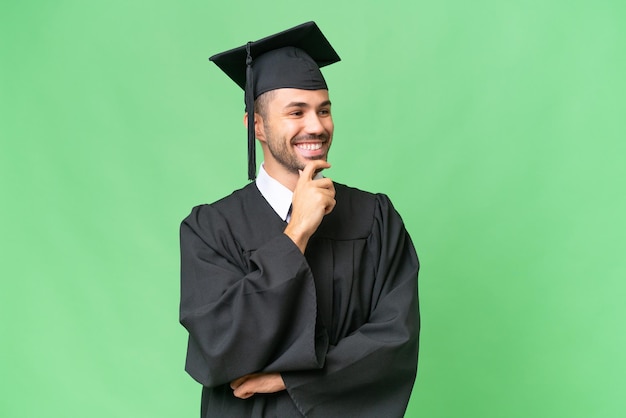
[[285, 155]]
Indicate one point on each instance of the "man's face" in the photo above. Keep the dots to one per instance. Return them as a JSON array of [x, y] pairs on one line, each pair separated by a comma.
[[298, 127]]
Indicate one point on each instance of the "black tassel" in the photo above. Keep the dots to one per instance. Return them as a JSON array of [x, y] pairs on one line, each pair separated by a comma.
[[249, 99]]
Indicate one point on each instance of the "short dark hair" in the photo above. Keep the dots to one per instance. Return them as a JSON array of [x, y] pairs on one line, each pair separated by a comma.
[[261, 103]]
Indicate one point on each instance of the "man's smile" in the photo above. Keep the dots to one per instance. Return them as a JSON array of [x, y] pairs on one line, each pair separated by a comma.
[[310, 146]]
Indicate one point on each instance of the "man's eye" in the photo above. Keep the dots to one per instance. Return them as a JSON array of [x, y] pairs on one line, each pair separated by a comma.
[[296, 113], [325, 112]]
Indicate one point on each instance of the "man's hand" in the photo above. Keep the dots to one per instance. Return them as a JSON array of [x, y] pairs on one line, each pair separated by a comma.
[[312, 200], [250, 384]]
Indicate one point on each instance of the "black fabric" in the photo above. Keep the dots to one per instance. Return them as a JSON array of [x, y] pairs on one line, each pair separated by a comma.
[[307, 37], [287, 67], [340, 323]]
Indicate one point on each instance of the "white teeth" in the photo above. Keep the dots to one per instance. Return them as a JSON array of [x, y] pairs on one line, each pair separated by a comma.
[[310, 147]]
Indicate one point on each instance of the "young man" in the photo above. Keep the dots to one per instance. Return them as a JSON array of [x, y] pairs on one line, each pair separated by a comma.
[[299, 294]]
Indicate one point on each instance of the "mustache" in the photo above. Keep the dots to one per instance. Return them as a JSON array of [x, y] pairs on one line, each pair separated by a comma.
[[303, 138]]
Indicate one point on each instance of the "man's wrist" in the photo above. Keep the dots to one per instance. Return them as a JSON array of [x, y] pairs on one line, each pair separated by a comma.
[[299, 238]]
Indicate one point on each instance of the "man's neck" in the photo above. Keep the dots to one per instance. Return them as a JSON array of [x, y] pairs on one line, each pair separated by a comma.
[[282, 175]]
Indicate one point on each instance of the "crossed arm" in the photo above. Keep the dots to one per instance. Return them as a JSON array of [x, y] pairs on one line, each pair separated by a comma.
[[247, 386]]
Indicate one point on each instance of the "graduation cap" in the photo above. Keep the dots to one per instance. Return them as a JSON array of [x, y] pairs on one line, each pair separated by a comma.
[[288, 59]]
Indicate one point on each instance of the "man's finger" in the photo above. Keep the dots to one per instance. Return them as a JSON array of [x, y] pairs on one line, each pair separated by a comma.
[[242, 393], [325, 183], [312, 168], [238, 382]]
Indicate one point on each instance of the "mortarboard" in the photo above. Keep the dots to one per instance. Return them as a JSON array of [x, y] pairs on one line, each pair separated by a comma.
[[288, 59]]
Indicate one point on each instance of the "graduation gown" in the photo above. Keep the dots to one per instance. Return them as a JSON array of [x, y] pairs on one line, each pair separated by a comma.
[[340, 323]]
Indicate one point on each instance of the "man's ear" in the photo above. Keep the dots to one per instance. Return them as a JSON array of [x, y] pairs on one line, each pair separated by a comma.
[[259, 129]]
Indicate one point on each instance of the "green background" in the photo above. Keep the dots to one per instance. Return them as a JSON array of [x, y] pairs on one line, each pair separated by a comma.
[[496, 127]]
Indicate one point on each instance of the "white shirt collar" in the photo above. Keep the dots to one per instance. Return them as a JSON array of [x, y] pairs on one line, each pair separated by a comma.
[[278, 196]]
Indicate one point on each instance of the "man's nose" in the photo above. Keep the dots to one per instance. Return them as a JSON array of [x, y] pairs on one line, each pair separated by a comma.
[[314, 125]]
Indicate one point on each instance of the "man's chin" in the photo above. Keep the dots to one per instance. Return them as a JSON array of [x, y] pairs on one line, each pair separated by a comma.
[[314, 158], [303, 163]]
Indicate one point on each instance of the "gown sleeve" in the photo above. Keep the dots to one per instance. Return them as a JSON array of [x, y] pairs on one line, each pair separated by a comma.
[[370, 373], [245, 313]]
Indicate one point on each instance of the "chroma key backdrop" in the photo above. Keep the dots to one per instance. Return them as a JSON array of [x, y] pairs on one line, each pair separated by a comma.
[[496, 128]]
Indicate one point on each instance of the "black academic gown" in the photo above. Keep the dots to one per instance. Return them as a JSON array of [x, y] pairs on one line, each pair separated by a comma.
[[340, 323]]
